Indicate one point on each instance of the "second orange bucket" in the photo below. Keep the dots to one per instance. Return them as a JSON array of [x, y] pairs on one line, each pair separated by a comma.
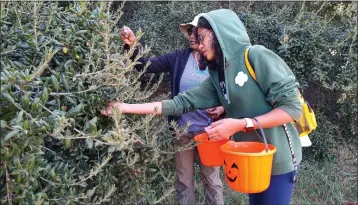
[[209, 151]]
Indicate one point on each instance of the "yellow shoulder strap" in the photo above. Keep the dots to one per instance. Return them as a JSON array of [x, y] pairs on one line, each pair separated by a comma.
[[247, 63]]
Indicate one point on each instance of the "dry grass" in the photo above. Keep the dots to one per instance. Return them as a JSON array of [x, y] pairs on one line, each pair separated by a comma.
[[318, 183]]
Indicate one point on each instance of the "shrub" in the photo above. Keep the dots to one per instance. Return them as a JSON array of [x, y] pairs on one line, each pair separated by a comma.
[[60, 67]]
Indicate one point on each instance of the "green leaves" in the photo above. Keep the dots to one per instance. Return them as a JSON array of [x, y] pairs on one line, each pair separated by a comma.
[[11, 134], [89, 143], [92, 127], [55, 82], [76, 110], [44, 95], [3, 124], [60, 66], [81, 32], [8, 97], [19, 117]]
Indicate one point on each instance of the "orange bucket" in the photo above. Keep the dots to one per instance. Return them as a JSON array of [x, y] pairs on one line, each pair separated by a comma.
[[248, 165], [209, 151]]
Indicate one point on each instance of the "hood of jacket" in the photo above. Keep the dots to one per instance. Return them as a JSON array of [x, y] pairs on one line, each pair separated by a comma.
[[229, 31]]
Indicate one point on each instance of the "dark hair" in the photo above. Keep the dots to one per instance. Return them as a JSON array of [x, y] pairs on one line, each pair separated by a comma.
[[218, 62]]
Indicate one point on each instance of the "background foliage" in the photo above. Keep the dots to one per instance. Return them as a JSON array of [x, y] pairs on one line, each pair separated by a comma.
[[318, 40], [60, 64]]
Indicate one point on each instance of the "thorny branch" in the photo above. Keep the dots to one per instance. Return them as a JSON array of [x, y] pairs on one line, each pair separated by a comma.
[[8, 192]]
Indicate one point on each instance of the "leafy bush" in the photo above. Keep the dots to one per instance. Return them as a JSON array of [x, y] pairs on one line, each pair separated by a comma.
[[59, 68], [323, 53]]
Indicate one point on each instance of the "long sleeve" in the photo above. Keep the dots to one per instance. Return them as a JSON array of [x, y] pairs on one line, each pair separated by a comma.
[[201, 97], [276, 80], [158, 64]]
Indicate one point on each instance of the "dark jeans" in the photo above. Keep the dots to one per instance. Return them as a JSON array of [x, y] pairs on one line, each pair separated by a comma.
[[279, 192]]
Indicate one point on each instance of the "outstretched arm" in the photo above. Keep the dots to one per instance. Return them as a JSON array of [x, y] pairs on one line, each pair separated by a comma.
[[145, 108], [200, 97]]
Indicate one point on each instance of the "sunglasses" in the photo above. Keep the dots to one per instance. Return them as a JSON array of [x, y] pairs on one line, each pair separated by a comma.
[[190, 30]]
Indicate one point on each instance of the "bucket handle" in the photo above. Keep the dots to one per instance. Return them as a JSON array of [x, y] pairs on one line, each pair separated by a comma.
[[262, 133]]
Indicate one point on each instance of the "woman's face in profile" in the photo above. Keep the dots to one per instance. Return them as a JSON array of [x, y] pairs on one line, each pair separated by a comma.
[[205, 37]]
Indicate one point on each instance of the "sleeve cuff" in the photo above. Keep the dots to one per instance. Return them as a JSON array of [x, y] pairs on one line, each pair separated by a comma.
[[167, 108]]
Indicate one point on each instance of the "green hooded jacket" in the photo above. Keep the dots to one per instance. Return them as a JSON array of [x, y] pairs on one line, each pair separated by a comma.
[[276, 85]]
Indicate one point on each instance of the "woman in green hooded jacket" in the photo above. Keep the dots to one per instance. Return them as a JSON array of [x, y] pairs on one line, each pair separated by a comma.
[[272, 99]]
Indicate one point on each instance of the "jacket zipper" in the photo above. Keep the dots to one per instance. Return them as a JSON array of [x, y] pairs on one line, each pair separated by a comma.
[[175, 72]]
